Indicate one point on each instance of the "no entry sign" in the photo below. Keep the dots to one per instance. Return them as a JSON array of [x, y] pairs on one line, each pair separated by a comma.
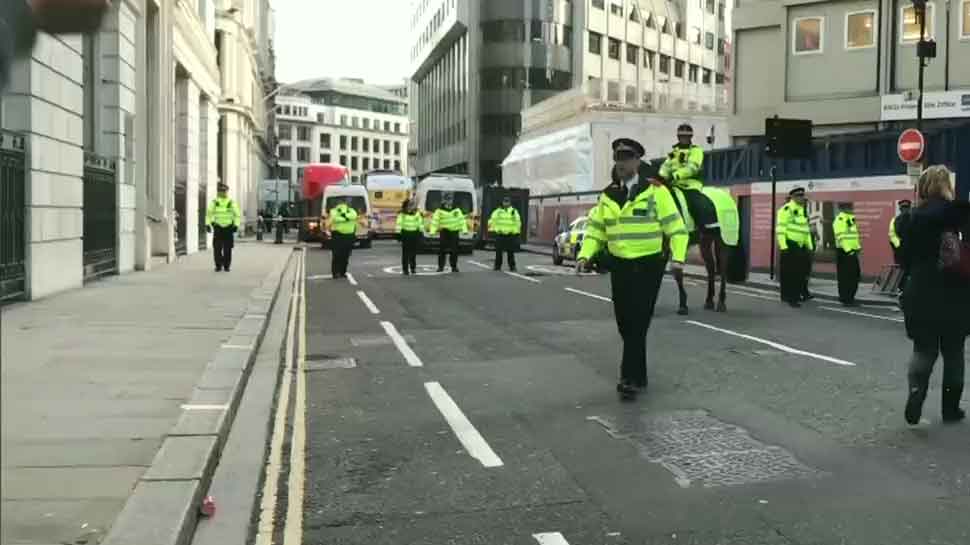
[[911, 146]]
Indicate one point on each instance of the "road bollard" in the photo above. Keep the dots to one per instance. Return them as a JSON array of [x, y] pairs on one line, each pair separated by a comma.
[[259, 230]]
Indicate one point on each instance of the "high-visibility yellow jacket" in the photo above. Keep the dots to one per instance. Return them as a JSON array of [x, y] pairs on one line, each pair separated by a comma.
[[343, 220], [409, 223], [683, 167], [846, 233], [893, 237], [637, 228], [223, 212], [793, 225], [449, 220], [505, 221]]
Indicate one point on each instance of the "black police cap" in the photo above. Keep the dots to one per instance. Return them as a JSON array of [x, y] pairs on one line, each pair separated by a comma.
[[631, 144], [905, 202]]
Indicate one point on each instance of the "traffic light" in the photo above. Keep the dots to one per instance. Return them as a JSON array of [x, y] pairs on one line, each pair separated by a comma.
[[788, 138]]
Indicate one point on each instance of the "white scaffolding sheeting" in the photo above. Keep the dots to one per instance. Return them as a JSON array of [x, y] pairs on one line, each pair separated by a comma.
[[559, 162]]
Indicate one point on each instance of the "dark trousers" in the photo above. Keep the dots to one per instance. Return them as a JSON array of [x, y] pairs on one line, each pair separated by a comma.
[[925, 352], [898, 260], [409, 251], [635, 284], [796, 263], [222, 242], [505, 244], [847, 272], [341, 246], [448, 246]]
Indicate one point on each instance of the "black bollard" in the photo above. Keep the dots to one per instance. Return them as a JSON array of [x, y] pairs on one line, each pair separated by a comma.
[[259, 229], [279, 233]]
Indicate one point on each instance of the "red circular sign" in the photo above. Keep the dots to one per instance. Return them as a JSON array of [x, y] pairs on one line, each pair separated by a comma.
[[911, 146]]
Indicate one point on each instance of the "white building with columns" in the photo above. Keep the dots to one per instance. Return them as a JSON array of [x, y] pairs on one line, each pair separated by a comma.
[[110, 142]]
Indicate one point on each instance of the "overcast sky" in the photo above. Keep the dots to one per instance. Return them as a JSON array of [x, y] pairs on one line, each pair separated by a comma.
[[342, 38]]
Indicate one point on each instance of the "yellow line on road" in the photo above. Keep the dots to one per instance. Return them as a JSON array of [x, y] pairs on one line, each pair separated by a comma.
[[293, 531]]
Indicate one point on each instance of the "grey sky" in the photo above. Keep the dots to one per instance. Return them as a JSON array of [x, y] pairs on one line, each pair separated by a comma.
[[342, 38]]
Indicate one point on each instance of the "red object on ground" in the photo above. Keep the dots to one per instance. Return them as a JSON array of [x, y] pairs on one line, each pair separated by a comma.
[[911, 146], [318, 176], [208, 507]]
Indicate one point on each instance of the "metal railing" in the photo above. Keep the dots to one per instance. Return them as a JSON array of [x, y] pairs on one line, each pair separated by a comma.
[[100, 217], [13, 235]]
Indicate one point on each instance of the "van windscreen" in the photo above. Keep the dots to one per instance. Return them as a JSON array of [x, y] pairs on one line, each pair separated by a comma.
[[356, 202], [463, 200]]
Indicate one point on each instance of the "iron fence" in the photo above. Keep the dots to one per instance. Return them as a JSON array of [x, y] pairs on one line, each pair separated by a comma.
[[100, 217], [13, 271]]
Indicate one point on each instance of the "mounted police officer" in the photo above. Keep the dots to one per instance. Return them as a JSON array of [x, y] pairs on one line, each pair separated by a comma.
[[633, 216], [683, 168], [222, 219]]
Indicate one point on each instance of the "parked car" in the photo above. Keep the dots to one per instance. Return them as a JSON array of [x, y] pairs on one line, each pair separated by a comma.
[[568, 244]]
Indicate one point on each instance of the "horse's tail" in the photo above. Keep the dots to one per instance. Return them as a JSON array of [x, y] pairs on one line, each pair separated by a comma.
[[736, 258]]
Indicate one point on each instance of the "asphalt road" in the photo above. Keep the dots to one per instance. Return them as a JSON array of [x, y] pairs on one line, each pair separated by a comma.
[[479, 408]]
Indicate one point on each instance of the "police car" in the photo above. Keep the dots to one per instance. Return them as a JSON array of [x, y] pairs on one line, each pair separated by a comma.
[[568, 244]]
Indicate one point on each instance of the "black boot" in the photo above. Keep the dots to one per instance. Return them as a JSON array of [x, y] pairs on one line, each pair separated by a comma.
[[917, 395], [951, 404], [627, 391]]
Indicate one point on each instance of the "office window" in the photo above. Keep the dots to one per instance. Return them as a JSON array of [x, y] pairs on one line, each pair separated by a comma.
[[599, 4], [397, 146], [303, 154], [285, 132], [324, 157], [632, 52], [630, 95], [719, 78], [807, 35], [616, 9], [909, 33], [377, 146], [285, 153], [707, 77], [366, 144], [965, 19], [665, 26], [679, 69], [367, 124], [343, 120], [613, 91], [387, 126], [709, 40], [720, 11], [679, 30], [303, 134], [720, 46], [343, 142], [387, 147], [387, 164], [353, 143], [397, 128], [299, 174], [285, 173], [354, 122], [321, 119], [366, 163], [692, 73], [325, 140], [353, 163], [614, 49], [635, 14], [664, 64], [860, 29], [595, 43], [650, 22], [709, 4], [397, 166]]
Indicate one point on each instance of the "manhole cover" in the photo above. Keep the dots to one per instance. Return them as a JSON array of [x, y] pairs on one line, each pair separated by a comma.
[[330, 363]]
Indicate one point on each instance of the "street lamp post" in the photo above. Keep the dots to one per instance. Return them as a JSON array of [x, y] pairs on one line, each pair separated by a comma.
[[925, 49]]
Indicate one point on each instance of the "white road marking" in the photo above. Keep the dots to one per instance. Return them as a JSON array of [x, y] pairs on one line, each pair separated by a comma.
[[753, 295], [368, 303], [267, 507], [205, 407], [866, 314], [588, 294], [293, 531], [254, 316], [238, 346], [778, 346], [402, 345], [351, 279], [320, 277], [469, 437], [550, 538], [480, 264], [523, 277]]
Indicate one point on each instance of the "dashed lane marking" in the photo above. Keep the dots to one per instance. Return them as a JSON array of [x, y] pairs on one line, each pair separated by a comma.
[[205, 407], [351, 279], [402, 345], [777, 346], [523, 277], [588, 294], [865, 314], [320, 277], [550, 538], [368, 303], [479, 264], [475, 445]]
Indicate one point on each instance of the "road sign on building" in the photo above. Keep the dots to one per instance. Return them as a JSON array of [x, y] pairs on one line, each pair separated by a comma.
[[911, 146]]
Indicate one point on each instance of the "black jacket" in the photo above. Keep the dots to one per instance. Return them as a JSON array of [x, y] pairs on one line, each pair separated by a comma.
[[934, 302]]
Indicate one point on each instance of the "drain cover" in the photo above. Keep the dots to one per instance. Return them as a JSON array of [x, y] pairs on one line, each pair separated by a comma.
[[330, 363]]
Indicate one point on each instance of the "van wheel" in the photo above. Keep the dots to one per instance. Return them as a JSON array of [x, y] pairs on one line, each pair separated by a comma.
[[557, 259]]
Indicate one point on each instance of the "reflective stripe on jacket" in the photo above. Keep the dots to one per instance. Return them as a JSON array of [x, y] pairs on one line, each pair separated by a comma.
[[409, 223], [793, 225], [343, 220], [505, 221], [636, 229], [223, 212], [893, 237], [449, 220], [846, 233], [683, 167]]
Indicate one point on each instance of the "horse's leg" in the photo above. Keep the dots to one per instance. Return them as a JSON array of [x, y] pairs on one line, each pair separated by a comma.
[[707, 253], [722, 255], [679, 277]]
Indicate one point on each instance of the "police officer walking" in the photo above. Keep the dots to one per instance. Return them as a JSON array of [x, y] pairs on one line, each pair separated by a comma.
[[222, 219], [506, 224], [450, 223], [409, 224], [630, 221], [796, 244], [342, 224], [848, 244]]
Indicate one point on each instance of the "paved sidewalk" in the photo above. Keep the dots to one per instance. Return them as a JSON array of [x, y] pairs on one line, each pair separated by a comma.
[[93, 379], [823, 288]]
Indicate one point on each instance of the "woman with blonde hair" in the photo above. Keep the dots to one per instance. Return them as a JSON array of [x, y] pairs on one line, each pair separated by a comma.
[[936, 302]]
